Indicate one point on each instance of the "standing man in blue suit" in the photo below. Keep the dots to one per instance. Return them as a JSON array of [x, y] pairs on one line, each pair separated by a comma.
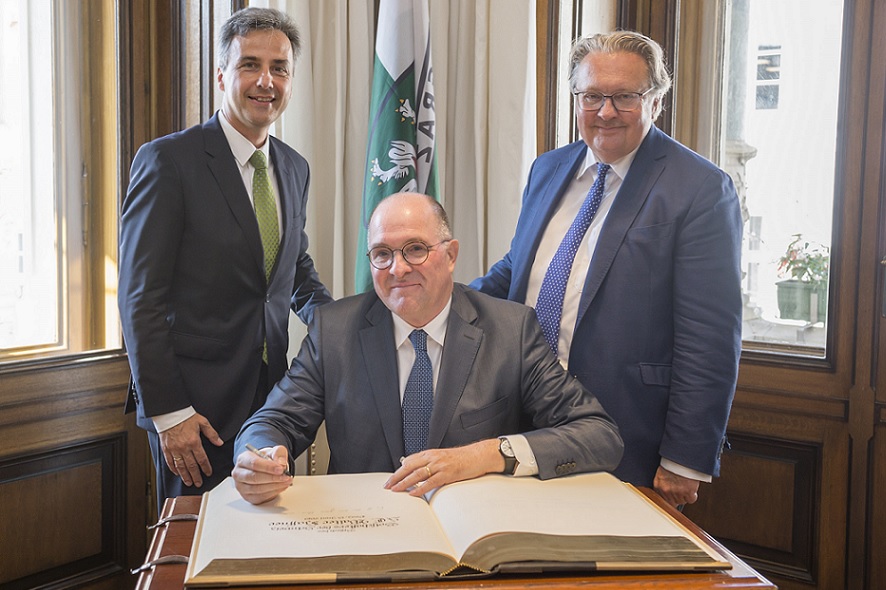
[[641, 301], [213, 254]]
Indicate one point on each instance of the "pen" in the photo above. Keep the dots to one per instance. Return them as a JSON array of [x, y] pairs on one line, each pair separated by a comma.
[[263, 455]]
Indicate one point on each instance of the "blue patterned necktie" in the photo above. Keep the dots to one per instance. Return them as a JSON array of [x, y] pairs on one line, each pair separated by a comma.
[[549, 307], [418, 398]]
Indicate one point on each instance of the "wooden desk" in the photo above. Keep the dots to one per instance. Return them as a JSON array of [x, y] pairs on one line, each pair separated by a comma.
[[176, 538]]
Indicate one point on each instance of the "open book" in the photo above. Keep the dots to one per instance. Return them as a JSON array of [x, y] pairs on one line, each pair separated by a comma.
[[348, 528]]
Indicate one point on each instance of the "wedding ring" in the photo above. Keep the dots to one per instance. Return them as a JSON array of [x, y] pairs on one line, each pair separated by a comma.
[[428, 469], [176, 459]]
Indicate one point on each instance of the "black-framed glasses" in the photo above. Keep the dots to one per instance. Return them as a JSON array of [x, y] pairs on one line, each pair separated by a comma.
[[621, 101], [414, 253]]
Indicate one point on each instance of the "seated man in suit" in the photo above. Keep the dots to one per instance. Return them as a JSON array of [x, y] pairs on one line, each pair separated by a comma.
[[424, 378]]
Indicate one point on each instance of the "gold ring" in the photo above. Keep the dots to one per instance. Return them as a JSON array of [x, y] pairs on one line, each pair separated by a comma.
[[174, 459], [428, 469]]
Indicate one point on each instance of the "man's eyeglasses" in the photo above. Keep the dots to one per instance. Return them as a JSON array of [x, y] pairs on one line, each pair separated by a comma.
[[414, 253], [621, 101]]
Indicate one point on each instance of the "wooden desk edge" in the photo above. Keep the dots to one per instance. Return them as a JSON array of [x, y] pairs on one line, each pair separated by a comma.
[[176, 537]]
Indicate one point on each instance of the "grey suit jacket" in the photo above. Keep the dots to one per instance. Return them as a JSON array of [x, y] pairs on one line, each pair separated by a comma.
[[497, 373], [195, 304]]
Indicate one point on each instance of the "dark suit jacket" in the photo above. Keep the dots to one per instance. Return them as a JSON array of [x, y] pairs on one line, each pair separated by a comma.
[[194, 301], [496, 369], [659, 325]]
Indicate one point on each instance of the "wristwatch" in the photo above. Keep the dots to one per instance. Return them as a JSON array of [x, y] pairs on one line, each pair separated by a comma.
[[504, 447]]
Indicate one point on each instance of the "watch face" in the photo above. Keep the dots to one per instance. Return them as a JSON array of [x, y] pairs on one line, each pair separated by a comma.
[[505, 447]]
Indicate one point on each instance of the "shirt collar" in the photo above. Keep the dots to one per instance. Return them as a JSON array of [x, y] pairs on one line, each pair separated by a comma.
[[241, 147], [436, 328]]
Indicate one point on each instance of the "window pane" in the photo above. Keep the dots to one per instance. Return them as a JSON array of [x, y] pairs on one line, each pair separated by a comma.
[[29, 290], [780, 127], [58, 177], [757, 92]]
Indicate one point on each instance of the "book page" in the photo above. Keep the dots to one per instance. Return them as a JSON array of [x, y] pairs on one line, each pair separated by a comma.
[[586, 504], [317, 516]]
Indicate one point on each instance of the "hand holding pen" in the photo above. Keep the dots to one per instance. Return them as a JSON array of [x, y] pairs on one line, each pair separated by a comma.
[[258, 482], [265, 455]]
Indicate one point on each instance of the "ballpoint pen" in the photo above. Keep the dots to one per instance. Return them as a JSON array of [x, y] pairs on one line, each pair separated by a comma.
[[264, 455]]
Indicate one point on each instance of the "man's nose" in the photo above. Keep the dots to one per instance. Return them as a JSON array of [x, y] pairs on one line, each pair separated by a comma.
[[607, 110], [265, 79], [399, 266]]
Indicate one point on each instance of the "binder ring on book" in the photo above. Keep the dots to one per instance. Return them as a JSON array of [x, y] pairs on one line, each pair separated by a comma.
[[166, 559], [172, 518]]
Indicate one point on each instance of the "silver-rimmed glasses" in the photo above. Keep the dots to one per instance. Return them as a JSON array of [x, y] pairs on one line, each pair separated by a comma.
[[621, 101]]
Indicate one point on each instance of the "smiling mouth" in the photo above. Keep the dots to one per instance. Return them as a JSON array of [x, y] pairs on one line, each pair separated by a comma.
[[263, 99]]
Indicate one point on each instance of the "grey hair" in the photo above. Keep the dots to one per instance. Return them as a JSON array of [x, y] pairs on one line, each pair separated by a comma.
[[250, 19], [623, 42]]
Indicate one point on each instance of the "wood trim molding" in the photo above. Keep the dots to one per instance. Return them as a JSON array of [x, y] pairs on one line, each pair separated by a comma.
[[658, 20], [548, 32]]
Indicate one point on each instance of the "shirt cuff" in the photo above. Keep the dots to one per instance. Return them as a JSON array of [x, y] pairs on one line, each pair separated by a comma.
[[167, 421], [526, 464], [685, 471]]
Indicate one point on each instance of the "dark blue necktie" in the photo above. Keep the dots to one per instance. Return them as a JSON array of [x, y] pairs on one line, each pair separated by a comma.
[[549, 307], [418, 398]]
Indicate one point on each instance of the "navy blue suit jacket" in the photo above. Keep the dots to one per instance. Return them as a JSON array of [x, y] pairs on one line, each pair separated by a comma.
[[194, 301], [497, 377], [658, 334]]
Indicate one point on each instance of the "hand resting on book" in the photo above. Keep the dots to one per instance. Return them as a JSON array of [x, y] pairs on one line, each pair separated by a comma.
[[424, 471]]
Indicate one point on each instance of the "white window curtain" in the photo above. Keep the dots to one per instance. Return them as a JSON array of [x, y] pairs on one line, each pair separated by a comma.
[[484, 61]]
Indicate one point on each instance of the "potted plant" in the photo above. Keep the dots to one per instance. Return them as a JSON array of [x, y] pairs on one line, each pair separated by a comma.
[[804, 296]]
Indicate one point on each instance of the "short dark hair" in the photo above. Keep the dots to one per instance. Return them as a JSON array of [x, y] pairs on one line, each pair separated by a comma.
[[243, 22], [623, 42]]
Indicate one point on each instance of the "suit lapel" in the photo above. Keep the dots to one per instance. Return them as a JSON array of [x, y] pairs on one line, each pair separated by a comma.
[[290, 194], [647, 166], [548, 198], [460, 351], [380, 357], [224, 168]]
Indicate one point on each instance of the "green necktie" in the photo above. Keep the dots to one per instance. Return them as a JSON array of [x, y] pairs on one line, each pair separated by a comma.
[[266, 214], [265, 210]]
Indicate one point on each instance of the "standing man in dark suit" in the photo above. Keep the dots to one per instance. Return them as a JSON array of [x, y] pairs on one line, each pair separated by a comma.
[[482, 364], [213, 255], [641, 300]]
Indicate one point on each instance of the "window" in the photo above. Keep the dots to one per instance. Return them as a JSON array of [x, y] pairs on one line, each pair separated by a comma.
[[58, 178], [761, 93], [768, 73]]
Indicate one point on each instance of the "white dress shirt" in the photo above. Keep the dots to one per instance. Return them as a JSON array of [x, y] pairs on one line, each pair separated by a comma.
[[436, 331]]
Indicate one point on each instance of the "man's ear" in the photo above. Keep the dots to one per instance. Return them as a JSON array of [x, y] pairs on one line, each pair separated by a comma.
[[452, 253]]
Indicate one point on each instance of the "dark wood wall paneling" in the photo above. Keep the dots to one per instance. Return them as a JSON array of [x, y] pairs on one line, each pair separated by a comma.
[[73, 475]]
